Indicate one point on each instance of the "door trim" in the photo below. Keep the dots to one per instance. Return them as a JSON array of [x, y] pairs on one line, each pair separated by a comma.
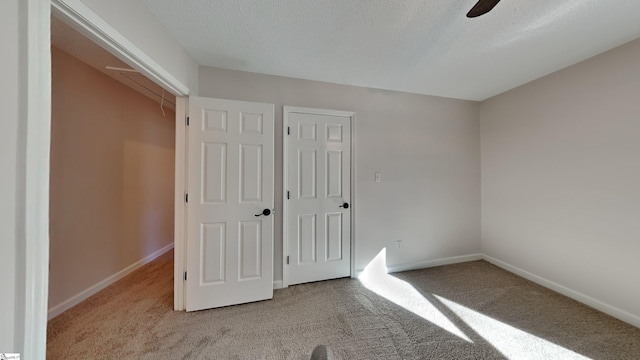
[[32, 179], [82, 18], [286, 110], [87, 22], [180, 207]]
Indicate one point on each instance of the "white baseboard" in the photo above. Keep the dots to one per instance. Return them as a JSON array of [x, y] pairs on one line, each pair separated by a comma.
[[429, 263], [277, 284], [433, 263], [85, 294], [575, 295]]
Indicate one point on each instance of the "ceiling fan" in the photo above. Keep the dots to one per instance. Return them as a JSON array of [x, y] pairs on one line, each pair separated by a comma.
[[482, 7]]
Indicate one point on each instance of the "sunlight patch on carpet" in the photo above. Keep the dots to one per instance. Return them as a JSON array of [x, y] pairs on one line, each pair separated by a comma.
[[375, 278], [511, 342]]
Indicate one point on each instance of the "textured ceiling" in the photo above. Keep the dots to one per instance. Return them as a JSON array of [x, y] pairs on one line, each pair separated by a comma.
[[419, 46], [75, 44]]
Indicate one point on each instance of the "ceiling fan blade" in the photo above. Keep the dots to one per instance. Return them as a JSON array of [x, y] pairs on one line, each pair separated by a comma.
[[482, 7]]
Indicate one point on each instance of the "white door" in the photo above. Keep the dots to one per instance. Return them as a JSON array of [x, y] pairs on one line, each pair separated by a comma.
[[230, 185], [318, 185]]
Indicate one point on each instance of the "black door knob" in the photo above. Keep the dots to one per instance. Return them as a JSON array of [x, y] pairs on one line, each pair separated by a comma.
[[265, 212], [345, 205]]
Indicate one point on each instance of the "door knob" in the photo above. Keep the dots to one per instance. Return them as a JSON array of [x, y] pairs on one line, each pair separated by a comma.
[[345, 205], [265, 212]]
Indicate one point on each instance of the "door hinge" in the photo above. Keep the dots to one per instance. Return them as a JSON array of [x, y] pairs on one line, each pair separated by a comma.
[[287, 259], [185, 276], [288, 130], [187, 121], [288, 195], [186, 197]]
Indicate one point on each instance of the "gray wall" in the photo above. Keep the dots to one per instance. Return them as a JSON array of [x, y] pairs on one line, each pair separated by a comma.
[[112, 178], [561, 175], [9, 165], [427, 149]]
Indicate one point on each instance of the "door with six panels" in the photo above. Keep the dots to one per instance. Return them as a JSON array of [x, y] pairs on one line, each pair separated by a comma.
[[230, 203], [317, 185]]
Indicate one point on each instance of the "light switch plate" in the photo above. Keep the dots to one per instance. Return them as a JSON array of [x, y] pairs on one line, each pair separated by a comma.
[[378, 176]]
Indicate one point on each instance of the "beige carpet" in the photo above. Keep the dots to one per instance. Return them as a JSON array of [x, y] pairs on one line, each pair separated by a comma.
[[482, 312]]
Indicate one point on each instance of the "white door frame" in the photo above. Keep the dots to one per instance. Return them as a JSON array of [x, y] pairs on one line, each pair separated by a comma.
[[32, 200], [286, 110], [180, 207], [37, 135], [79, 16], [76, 14]]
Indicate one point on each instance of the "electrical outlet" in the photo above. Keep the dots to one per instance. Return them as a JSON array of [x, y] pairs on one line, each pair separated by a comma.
[[398, 244]]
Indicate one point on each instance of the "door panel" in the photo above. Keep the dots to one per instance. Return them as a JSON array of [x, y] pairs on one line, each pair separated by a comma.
[[213, 247], [250, 242], [318, 178], [214, 178], [250, 173], [334, 173], [306, 239], [230, 181], [334, 236], [307, 174]]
